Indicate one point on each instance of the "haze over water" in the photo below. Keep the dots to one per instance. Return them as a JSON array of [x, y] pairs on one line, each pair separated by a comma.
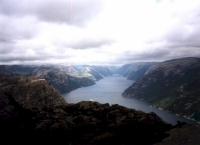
[[109, 90]]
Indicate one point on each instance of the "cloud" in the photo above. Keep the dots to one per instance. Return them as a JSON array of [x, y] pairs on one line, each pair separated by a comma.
[[89, 43], [13, 28], [72, 12], [100, 31]]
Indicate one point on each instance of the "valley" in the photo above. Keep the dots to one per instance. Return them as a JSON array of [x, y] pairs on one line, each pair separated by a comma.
[[30, 99]]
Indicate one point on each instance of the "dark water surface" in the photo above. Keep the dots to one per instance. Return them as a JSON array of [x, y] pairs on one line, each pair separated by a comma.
[[109, 90]]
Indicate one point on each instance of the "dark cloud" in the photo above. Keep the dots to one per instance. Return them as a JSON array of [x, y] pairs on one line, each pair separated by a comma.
[[183, 38], [13, 29], [4, 51], [186, 33], [4, 39], [157, 55], [72, 12], [180, 40], [41, 30], [87, 44], [28, 59], [20, 58]]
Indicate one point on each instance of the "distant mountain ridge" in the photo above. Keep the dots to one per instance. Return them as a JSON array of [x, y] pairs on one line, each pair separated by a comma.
[[64, 78], [134, 71], [172, 85]]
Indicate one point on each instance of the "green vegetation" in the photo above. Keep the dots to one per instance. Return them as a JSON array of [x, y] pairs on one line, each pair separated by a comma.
[[172, 85]]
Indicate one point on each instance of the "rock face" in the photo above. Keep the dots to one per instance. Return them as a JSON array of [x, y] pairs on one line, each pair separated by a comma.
[[185, 135], [17, 94], [30, 92], [172, 85], [56, 78], [135, 70]]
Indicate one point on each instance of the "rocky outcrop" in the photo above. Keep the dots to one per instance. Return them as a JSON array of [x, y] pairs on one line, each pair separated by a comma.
[[185, 135], [85, 123], [171, 85], [135, 70], [17, 96], [30, 92], [56, 78]]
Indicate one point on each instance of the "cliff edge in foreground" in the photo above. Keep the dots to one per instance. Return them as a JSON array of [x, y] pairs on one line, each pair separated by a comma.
[[33, 112]]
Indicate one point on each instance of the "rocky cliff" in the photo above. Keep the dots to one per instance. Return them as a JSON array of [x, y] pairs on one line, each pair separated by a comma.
[[172, 85], [30, 91], [33, 112], [135, 70]]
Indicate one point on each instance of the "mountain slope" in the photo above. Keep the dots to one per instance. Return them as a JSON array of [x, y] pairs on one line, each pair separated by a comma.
[[103, 70], [172, 85], [5, 71], [135, 70]]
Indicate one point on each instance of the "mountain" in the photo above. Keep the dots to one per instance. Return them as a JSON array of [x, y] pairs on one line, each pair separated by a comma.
[[33, 112], [103, 70], [134, 71], [23, 70], [69, 70], [89, 73], [121, 70], [93, 72], [171, 85], [64, 78], [57, 78], [5, 71]]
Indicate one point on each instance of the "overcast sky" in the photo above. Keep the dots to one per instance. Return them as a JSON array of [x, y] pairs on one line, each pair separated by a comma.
[[98, 31]]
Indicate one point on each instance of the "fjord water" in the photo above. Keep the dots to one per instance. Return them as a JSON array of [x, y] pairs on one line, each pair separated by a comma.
[[109, 90]]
